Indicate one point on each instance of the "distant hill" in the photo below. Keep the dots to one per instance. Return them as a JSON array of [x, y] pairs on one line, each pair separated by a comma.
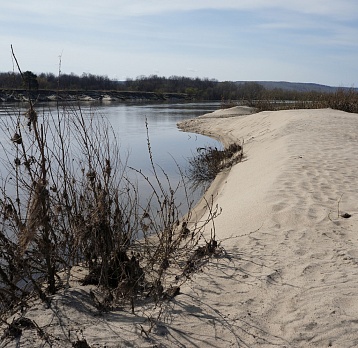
[[296, 86]]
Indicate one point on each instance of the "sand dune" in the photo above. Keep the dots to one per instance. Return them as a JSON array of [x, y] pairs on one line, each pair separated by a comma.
[[288, 276]]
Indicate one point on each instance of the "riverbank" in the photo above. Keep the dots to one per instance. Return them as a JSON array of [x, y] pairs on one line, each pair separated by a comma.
[[22, 95], [288, 274]]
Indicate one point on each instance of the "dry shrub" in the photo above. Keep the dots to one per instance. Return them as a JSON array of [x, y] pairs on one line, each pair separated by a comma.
[[342, 99], [209, 161], [345, 100]]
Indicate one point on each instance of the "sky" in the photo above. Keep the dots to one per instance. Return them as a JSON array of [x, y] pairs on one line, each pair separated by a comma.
[[229, 40]]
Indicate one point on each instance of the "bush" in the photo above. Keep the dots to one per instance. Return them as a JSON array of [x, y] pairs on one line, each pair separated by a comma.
[[210, 161]]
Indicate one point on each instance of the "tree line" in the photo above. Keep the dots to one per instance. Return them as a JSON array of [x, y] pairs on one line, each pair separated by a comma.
[[49, 81], [195, 88]]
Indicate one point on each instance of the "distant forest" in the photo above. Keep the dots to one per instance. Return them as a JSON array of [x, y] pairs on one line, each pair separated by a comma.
[[195, 88]]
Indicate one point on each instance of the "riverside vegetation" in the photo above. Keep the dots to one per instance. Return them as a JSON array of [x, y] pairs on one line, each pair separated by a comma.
[[210, 161], [342, 99], [66, 200]]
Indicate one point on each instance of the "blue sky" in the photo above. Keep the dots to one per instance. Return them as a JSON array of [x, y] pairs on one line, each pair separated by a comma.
[[276, 40]]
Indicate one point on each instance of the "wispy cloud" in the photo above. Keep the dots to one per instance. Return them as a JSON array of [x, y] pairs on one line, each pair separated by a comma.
[[218, 39], [342, 9]]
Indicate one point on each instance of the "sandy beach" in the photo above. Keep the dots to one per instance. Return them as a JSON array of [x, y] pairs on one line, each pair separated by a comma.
[[288, 273], [292, 275]]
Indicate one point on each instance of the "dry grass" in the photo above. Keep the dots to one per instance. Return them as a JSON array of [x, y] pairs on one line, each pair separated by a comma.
[[342, 99], [210, 161]]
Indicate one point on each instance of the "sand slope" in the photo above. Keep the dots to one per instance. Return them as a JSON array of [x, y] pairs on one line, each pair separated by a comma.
[[288, 276]]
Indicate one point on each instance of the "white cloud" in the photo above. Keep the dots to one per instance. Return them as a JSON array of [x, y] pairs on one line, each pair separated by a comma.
[[338, 9]]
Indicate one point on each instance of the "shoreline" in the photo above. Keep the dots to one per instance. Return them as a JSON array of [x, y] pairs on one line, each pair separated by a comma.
[[105, 96], [197, 125]]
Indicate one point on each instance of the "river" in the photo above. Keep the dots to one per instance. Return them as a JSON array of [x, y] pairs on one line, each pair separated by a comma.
[[170, 147]]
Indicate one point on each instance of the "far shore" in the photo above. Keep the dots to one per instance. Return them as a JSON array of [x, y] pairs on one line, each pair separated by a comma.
[[42, 95]]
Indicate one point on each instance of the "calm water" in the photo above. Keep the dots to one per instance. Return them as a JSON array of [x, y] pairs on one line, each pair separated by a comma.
[[166, 140], [169, 145]]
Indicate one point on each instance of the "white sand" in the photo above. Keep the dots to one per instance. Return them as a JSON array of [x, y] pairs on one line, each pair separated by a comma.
[[290, 274]]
